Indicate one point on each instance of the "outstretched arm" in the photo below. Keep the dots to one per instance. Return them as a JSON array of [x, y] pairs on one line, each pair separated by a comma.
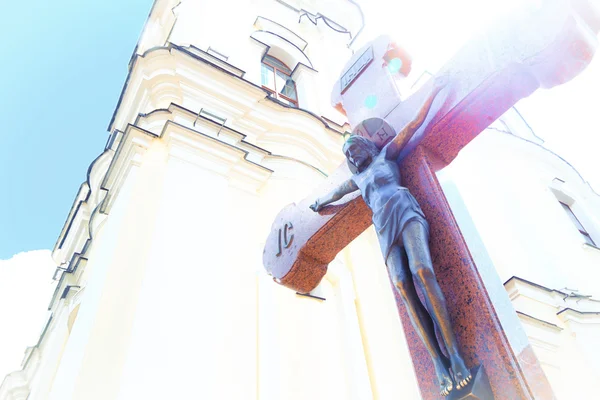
[[393, 148], [347, 187]]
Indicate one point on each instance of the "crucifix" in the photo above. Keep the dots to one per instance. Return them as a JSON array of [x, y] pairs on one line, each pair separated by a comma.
[[547, 47]]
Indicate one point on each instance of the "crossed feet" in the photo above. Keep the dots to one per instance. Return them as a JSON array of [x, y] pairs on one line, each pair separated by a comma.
[[452, 373]]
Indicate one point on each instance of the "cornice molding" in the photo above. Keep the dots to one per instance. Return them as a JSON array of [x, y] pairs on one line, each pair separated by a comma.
[[75, 237], [89, 196], [263, 23], [539, 322], [325, 151], [195, 77], [217, 156], [178, 65], [570, 315], [575, 180], [214, 60], [282, 48], [133, 146]]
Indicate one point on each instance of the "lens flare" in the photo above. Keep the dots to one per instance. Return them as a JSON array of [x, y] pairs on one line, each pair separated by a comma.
[[371, 101], [394, 65]]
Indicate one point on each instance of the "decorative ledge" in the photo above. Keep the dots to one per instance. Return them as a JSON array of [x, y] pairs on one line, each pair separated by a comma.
[[214, 60]]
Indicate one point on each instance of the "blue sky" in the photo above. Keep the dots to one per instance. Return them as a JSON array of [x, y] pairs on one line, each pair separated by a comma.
[[63, 66]]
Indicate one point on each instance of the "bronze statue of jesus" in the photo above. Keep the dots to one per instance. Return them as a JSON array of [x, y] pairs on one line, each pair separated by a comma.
[[403, 236]]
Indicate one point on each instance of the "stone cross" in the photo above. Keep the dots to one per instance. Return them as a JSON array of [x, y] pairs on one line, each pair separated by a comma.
[[547, 47]]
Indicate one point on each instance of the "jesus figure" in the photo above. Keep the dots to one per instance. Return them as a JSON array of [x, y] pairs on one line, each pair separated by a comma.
[[403, 235]]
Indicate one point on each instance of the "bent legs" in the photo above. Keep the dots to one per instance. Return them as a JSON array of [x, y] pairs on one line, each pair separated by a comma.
[[416, 244]]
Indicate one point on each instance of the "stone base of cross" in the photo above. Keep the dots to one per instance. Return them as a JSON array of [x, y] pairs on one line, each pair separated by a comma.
[[548, 47]]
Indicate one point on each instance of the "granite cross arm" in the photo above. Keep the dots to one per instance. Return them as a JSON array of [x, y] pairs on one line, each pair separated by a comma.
[[542, 48], [486, 77]]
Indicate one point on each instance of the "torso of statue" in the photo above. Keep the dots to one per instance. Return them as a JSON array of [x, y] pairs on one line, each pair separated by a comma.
[[392, 204], [379, 182]]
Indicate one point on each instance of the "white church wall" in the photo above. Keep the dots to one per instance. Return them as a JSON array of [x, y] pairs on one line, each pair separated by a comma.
[[306, 347], [560, 328], [520, 220], [188, 324], [93, 359], [62, 370], [509, 190]]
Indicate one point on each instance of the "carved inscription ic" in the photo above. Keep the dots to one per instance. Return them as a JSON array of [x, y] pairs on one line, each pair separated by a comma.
[[285, 237]]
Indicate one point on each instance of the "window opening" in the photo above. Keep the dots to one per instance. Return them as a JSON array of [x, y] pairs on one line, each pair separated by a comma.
[[576, 222], [275, 76]]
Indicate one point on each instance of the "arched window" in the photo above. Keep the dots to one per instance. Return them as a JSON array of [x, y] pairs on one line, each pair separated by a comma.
[[275, 77]]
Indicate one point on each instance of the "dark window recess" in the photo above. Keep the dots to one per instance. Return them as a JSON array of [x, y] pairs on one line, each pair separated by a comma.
[[576, 222], [275, 77]]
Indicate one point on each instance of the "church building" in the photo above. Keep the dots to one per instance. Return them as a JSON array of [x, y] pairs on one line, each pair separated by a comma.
[[224, 119]]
